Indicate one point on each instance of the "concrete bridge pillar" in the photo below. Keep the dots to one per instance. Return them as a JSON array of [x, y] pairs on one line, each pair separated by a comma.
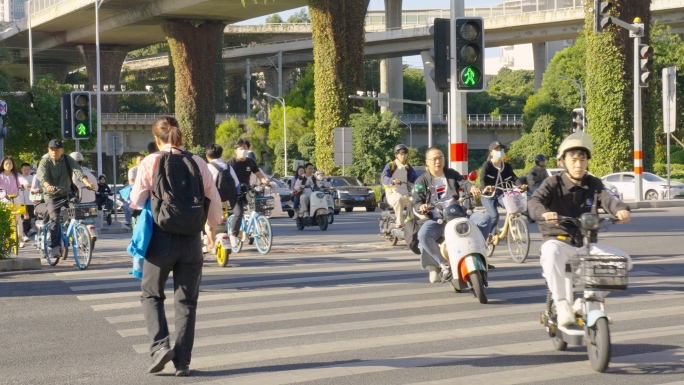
[[392, 70], [539, 51], [111, 60], [58, 70], [271, 79], [431, 92]]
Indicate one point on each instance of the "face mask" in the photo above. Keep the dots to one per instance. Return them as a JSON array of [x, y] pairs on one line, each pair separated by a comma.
[[241, 153], [498, 154]]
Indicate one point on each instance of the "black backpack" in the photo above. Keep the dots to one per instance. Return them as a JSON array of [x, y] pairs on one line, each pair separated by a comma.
[[225, 183], [178, 202]]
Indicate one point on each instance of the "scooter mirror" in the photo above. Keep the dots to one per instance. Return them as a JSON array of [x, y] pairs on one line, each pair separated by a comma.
[[472, 176]]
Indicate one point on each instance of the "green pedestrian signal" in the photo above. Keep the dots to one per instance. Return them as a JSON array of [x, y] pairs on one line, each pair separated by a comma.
[[470, 76], [80, 115]]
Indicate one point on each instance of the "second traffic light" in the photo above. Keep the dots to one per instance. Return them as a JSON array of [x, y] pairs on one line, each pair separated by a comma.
[[645, 62], [577, 119], [81, 121]]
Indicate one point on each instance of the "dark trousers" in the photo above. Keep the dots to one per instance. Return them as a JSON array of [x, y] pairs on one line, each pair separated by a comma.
[[54, 205], [238, 213], [181, 254], [30, 214]]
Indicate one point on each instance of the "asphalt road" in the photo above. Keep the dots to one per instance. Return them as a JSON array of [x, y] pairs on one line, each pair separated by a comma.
[[342, 307]]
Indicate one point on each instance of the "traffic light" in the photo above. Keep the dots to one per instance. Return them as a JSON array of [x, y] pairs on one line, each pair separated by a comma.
[[577, 119], [469, 53], [80, 115], [440, 54], [645, 62], [601, 20]]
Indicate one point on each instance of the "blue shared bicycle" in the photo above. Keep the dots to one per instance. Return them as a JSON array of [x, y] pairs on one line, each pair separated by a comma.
[[73, 233], [257, 227]]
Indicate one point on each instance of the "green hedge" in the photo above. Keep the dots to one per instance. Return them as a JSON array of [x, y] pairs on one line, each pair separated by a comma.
[[5, 231]]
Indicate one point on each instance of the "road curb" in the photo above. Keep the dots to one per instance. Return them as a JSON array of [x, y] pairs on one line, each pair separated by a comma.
[[655, 204], [20, 263]]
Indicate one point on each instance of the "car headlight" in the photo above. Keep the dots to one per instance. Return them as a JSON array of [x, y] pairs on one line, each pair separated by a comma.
[[462, 229], [371, 192], [344, 194]]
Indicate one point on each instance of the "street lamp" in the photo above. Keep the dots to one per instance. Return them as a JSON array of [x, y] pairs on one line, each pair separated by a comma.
[[282, 101], [578, 85], [98, 3], [28, 6]]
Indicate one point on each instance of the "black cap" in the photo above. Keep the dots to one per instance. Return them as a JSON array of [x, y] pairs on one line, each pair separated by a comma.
[[495, 144], [55, 143]]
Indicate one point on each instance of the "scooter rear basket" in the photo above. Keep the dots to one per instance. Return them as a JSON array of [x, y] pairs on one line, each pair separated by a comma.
[[601, 273]]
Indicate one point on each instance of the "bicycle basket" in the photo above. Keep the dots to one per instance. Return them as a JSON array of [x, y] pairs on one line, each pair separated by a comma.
[[85, 211], [514, 202], [67, 213], [601, 273], [263, 205]]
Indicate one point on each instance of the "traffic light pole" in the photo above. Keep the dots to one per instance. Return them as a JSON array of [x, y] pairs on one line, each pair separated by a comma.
[[458, 141], [638, 154], [99, 86]]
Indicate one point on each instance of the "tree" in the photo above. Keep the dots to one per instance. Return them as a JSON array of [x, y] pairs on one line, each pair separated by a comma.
[[136, 80], [337, 30], [274, 19], [6, 80], [507, 93], [307, 147], [542, 139], [373, 138], [297, 125], [414, 89], [229, 131], [34, 119], [303, 94], [557, 97], [301, 17]]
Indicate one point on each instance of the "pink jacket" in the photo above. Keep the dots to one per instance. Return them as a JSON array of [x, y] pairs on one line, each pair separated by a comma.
[[144, 182]]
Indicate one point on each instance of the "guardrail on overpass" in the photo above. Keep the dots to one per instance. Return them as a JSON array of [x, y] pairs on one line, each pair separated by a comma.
[[481, 120]]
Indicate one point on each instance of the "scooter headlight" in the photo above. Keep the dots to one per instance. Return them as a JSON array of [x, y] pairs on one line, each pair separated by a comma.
[[463, 229]]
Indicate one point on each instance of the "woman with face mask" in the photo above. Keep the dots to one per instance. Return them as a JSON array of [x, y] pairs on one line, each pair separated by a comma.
[[495, 173]]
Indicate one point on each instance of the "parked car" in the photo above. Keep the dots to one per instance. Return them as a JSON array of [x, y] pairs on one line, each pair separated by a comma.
[[654, 187], [352, 193], [607, 185]]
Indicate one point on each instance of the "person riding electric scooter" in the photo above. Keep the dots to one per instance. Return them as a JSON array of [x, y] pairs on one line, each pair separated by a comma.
[[440, 185], [570, 194], [397, 176]]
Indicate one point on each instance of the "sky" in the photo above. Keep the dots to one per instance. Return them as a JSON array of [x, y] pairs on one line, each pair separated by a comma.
[[414, 61]]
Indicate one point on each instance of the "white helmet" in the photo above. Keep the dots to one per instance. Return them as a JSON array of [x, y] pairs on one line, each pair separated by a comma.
[[77, 156], [320, 175], [576, 141]]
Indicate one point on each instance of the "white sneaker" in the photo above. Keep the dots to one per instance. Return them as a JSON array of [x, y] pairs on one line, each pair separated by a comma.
[[434, 274], [234, 241], [565, 315], [25, 238], [577, 306]]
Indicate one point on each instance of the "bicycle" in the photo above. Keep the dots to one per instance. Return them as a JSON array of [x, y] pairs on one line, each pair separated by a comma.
[[73, 232], [257, 227], [15, 209], [515, 230], [107, 206]]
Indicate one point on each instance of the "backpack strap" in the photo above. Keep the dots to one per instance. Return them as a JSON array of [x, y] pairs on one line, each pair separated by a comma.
[[393, 167], [215, 166]]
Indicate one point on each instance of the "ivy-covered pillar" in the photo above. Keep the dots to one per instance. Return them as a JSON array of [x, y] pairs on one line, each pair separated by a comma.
[[193, 47], [59, 71], [609, 91], [111, 60], [339, 39]]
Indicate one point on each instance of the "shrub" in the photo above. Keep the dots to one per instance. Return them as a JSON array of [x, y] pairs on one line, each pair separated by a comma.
[[6, 218]]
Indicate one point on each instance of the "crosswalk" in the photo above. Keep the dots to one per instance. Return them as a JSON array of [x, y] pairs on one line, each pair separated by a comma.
[[372, 317]]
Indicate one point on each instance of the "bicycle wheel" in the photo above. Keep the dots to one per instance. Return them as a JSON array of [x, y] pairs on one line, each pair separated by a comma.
[[264, 235], [46, 250], [82, 246], [229, 225], [518, 239]]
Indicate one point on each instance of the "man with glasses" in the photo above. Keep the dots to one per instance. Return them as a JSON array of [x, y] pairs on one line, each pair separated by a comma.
[[396, 177], [440, 185]]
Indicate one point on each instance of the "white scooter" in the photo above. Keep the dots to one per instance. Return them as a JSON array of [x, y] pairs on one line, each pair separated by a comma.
[[318, 212], [465, 247]]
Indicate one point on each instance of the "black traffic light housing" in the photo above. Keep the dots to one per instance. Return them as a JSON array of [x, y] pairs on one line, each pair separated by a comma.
[[645, 62], [601, 20], [81, 122], [66, 116], [469, 53], [577, 119], [440, 54]]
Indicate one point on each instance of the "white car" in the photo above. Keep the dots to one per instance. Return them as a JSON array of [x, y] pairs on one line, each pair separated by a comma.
[[654, 187], [606, 184]]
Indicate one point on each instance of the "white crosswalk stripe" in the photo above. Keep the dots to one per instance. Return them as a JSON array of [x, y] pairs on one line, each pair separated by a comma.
[[358, 316]]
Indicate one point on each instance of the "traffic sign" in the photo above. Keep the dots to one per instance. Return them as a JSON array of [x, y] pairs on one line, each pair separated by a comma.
[[343, 147], [3, 108], [114, 143]]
